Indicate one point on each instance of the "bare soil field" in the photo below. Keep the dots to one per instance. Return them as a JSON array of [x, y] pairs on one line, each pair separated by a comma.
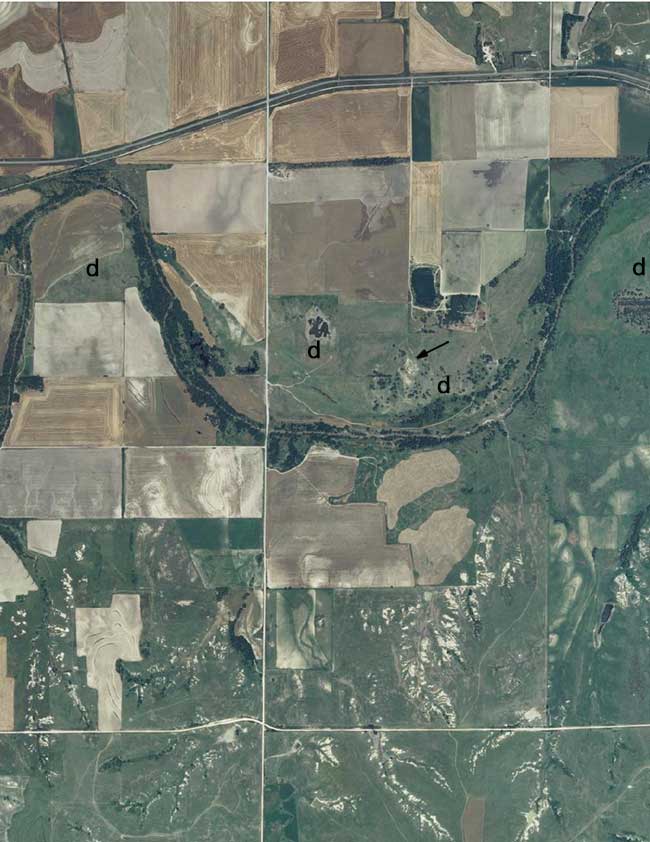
[[342, 126], [84, 22], [429, 51], [77, 412], [79, 340], [317, 249], [61, 482], [370, 48], [412, 477], [240, 140], [26, 116], [304, 39], [314, 544], [160, 411], [102, 119], [36, 27], [217, 57], [144, 350], [426, 214], [439, 543], [12, 207], [207, 199], [340, 230], [67, 239], [43, 536], [584, 122], [194, 482], [230, 269]]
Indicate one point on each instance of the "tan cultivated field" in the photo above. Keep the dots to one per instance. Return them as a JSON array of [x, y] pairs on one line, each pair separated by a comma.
[[584, 122], [439, 543], [61, 482], [370, 48], [217, 57], [429, 51], [105, 635], [426, 214], [70, 237], [412, 477], [343, 125], [160, 411], [243, 139], [77, 412], [102, 119], [12, 207], [7, 690], [188, 300], [314, 544], [207, 199], [194, 482], [79, 340], [230, 269], [304, 39], [474, 813], [26, 116], [244, 393], [8, 305], [341, 230]]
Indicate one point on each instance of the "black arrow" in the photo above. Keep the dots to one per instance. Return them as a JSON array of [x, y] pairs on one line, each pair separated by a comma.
[[424, 354]]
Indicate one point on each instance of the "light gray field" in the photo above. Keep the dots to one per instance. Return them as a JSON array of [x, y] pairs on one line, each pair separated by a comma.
[[43, 536], [144, 351], [194, 482], [101, 64], [207, 199], [484, 194], [461, 263], [14, 578], [512, 121], [147, 69], [105, 635], [79, 340], [62, 482]]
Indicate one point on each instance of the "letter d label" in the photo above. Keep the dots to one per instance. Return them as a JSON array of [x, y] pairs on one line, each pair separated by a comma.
[[314, 350]]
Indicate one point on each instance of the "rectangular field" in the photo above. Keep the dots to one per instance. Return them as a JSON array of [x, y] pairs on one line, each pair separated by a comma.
[[63, 482], [346, 125], [74, 412], [194, 482]]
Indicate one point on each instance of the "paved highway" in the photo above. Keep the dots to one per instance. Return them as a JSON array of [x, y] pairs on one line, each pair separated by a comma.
[[324, 86]]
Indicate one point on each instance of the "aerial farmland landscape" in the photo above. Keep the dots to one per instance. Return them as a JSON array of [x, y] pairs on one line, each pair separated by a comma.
[[324, 430]]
